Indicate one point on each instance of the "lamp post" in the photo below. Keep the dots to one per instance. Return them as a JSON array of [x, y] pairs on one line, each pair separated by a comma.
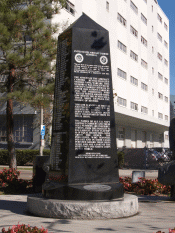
[[42, 129]]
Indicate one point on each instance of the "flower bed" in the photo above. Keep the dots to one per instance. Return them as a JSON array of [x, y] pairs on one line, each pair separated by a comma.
[[170, 231], [145, 186], [24, 229], [10, 183]]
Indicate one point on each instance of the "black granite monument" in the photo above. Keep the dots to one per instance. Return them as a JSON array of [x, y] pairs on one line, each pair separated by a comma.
[[166, 174], [83, 159]]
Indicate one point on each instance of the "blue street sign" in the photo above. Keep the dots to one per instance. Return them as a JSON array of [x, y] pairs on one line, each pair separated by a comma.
[[43, 129]]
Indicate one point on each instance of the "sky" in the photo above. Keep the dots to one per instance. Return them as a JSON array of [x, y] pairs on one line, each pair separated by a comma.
[[168, 7]]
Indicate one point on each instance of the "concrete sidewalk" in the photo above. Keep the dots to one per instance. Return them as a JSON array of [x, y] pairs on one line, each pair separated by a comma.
[[154, 214]]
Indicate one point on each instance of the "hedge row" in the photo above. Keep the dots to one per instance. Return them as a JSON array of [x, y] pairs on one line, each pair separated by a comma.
[[22, 156], [26, 156]]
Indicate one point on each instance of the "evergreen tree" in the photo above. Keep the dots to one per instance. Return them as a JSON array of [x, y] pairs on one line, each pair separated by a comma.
[[27, 47]]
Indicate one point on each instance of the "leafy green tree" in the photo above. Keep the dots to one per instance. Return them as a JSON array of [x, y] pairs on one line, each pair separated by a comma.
[[27, 47]]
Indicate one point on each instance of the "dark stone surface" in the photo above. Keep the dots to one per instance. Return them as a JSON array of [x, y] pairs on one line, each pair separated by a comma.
[[172, 136], [83, 192], [83, 149], [166, 174], [40, 168]]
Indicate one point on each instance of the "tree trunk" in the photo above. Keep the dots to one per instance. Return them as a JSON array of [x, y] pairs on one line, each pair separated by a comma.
[[9, 115]]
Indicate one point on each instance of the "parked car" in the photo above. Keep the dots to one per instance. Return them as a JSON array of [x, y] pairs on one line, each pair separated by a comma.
[[160, 154]]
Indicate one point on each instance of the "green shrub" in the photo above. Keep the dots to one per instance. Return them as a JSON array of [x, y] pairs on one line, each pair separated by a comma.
[[3, 157], [22, 156], [120, 155]]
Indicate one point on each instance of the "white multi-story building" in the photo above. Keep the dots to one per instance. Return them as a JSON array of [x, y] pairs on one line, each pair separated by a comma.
[[139, 46]]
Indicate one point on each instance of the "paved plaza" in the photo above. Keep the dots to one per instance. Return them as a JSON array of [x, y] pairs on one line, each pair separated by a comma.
[[154, 214]]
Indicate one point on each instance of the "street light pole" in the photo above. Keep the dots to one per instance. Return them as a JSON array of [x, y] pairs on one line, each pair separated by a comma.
[[41, 124], [41, 140]]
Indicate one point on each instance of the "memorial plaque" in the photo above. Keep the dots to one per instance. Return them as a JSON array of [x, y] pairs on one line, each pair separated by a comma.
[[83, 149]]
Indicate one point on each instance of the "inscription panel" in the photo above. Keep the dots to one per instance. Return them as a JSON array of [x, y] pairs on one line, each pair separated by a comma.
[[91, 89], [89, 110], [90, 134], [60, 127]]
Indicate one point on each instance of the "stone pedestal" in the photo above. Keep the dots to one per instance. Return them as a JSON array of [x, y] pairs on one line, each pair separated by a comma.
[[69, 209]]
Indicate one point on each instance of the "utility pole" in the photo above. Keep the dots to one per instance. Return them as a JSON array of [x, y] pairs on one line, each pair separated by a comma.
[[42, 130]]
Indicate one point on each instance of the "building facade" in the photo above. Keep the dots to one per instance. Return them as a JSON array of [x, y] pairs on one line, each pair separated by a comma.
[[139, 46]]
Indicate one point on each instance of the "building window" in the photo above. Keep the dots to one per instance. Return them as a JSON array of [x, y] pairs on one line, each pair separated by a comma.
[[133, 31], [166, 99], [152, 70], [3, 132], [166, 80], [161, 136], [144, 110], [107, 5], [121, 133], [134, 81], [121, 101], [152, 91], [144, 64], [159, 37], [165, 26], [134, 106], [166, 62], [152, 112], [160, 115], [133, 55], [160, 76], [144, 19], [152, 29], [160, 95], [159, 56], [133, 6], [23, 129], [151, 137], [166, 44], [3, 78], [121, 73], [159, 18], [144, 86], [122, 47], [144, 41], [70, 7], [121, 19]]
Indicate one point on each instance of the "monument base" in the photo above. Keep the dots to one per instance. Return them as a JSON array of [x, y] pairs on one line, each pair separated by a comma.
[[71, 209], [93, 191]]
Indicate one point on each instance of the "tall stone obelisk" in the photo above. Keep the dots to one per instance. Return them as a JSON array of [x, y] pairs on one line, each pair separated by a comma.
[[83, 160]]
